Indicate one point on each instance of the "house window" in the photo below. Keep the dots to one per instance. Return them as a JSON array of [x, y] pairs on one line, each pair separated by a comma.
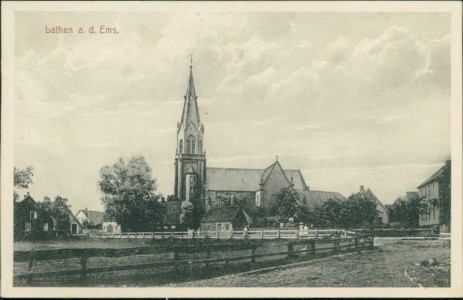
[[190, 145], [181, 146], [33, 215], [45, 227], [227, 226], [257, 200], [28, 226]]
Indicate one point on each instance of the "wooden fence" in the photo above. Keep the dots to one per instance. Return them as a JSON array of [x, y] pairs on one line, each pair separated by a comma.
[[310, 247], [259, 234]]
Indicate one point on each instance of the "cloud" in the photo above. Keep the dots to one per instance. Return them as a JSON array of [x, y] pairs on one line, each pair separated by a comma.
[[323, 99]]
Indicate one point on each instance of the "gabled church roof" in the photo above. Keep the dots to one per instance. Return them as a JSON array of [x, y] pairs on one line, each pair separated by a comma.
[[229, 179], [247, 180], [190, 107]]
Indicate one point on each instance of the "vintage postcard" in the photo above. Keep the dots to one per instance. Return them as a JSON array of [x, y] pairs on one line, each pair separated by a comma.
[[231, 149]]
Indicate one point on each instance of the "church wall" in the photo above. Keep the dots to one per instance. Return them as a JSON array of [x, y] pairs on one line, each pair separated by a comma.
[[274, 183], [222, 198]]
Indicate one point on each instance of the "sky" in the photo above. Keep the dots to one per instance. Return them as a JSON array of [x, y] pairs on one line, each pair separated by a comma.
[[350, 99]]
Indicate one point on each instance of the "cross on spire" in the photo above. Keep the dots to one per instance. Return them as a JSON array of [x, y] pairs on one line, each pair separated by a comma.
[[191, 61]]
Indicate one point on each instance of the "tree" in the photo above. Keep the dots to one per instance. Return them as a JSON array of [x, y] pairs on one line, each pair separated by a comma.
[[303, 214], [407, 212], [129, 194], [22, 179], [60, 212], [332, 213], [285, 204], [361, 212]]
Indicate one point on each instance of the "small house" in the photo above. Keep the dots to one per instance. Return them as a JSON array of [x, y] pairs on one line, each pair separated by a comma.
[[225, 219], [435, 197], [76, 225], [90, 219], [111, 227], [383, 212], [32, 220]]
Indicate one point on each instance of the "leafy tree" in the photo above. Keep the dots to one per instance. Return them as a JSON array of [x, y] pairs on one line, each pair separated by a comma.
[[285, 204], [332, 213], [129, 194], [354, 212], [361, 212], [22, 179], [60, 212], [406, 212]]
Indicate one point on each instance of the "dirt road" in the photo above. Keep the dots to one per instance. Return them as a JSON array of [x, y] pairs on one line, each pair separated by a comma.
[[385, 267]]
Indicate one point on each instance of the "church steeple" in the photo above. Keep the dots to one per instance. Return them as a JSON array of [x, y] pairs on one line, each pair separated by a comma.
[[190, 156], [190, 107]]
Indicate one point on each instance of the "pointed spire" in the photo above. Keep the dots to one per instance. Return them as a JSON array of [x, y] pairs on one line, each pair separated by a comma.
[[190, 107]]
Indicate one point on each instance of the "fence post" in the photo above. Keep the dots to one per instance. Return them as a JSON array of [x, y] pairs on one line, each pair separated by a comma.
[[176, 259], [336, 245], [208, 255], [357, 244], [253, 258], [312, 248], [261, 234], [278, 236], [372, 242], [290, 250], [31, 263], [83, 265]]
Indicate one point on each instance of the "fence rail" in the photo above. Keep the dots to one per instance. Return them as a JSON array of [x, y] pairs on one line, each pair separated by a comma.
[[256, 234], [335, 245]]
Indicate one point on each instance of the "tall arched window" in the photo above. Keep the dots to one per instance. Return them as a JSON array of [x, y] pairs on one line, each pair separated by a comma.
[[181, 147], [190, 145]]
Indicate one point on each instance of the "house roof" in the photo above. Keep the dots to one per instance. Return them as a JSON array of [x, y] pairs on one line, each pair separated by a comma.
[[368, 193], [95, 217], [317, 198], [71, 215], [434, 176], [247, 180], [221, 214]]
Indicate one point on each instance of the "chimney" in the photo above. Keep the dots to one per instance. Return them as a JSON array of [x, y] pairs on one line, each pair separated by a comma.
[[361, 188]]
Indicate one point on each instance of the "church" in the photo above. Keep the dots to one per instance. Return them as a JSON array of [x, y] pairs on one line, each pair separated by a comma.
[[215, 188]]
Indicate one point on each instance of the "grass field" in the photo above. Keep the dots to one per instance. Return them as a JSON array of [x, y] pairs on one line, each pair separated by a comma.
[[80, 242], [395, 263]]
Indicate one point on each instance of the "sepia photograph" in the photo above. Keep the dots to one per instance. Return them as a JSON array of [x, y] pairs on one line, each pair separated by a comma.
[[159, 147]]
